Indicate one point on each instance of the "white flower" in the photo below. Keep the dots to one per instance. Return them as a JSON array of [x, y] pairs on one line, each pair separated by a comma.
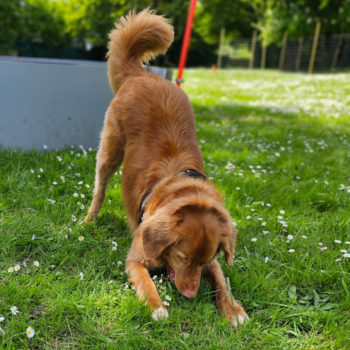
[[347, 242], [249, 217], [304, 237], [263, 223], [238, 188], [114, 248], [336, 260], [54, 183], [76, 194], [2, 318], [291, 250], [82, 206], [52, 201], [290, 237], [33, 237], [41, 170], [265, 232], [337, 241], [343, 251], [282, 212], [167, 298], [346, 255], [36, 263], [10, 269], [266, 259], [74, 218], [14, 310], [81, 238], [17, 268], [82, 195], [268, 204], [30, 332], [279, 217], [254, 239], [323, 248], [81, 276]]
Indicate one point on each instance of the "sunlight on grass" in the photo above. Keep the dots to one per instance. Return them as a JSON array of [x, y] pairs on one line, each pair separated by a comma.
[[277, 147]]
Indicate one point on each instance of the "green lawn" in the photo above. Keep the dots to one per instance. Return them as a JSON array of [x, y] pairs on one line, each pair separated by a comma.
[[277, 146]]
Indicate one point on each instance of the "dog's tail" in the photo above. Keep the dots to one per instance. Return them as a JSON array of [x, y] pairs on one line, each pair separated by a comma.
[[136, 39]]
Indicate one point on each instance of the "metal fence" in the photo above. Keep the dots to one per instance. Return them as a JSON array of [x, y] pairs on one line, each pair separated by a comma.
[[324, 53]]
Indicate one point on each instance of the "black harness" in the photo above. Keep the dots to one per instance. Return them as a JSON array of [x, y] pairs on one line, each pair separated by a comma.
[[189, 172]]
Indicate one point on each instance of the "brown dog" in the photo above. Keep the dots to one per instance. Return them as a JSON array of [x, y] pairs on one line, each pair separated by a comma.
[[176, 214]]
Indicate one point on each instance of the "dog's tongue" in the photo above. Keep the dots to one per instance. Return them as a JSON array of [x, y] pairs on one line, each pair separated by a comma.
[[171, 274]]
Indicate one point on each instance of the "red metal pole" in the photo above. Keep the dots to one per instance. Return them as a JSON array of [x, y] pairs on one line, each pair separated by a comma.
[[186, 41]]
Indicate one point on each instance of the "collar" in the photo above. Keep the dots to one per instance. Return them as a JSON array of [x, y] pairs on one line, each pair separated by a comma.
[[189, 172]]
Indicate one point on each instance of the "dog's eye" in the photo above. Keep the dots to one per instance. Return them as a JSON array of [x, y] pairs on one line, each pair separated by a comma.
[[182, 258]]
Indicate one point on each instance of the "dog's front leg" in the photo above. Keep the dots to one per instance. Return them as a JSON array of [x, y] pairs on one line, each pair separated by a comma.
[[146, 290], [232, 311]]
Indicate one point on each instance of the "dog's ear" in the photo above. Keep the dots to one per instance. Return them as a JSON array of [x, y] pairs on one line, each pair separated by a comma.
[[228, 244], [155, 236]]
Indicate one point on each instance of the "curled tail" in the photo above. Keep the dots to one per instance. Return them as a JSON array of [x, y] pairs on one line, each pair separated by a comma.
[[136, 39]]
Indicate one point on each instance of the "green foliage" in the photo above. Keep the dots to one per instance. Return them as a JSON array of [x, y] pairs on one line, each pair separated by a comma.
[[42, 21], [9, 23]]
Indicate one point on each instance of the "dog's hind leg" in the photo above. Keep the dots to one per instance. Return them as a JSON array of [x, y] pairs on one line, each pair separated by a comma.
[[108, 159]]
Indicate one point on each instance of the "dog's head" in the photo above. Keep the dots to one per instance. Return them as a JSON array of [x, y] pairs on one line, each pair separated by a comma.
[[186, 239]]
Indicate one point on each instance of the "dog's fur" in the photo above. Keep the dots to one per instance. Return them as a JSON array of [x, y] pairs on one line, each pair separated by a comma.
[[150, 126]]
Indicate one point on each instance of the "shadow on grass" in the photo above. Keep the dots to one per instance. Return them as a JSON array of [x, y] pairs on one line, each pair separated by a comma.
[[268, 114]]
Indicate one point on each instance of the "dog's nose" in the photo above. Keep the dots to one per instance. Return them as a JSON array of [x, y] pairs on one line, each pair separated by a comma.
[[189, 293]]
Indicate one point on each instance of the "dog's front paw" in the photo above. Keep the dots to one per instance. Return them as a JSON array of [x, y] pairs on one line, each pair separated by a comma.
[[160, 314], [235, 315]]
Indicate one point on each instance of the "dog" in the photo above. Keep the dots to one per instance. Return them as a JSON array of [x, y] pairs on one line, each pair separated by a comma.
[[176, 215]]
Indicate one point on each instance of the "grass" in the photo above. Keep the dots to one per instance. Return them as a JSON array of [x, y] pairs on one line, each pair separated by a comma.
[[277, 146]]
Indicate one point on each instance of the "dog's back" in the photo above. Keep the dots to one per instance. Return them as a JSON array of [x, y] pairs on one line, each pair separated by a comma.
[[154, 114]]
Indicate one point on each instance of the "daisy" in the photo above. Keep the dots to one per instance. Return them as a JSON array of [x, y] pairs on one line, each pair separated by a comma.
[[291, 250], [290, 237], [17, 268], [249, 217], [346, 255], [347, 242], [254, 239], [10, 269], [81, 276], [304, 237], [81, 238], [343, 251], [167, 298], [114, 248], [74, 218], [282, 212], [2, 318], [75, 194], [82, 195], [337, 241], [36, 263], [266, 259], [14, 310], [30, 332]]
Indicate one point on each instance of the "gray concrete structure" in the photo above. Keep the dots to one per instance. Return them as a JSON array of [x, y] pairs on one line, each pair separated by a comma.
[[57, 103], [51, 102]]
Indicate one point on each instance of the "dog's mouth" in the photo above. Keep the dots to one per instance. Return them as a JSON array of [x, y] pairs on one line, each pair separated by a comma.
[[171, 274]]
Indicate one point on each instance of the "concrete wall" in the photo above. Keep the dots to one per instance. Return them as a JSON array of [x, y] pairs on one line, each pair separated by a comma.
[[51, 102]]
